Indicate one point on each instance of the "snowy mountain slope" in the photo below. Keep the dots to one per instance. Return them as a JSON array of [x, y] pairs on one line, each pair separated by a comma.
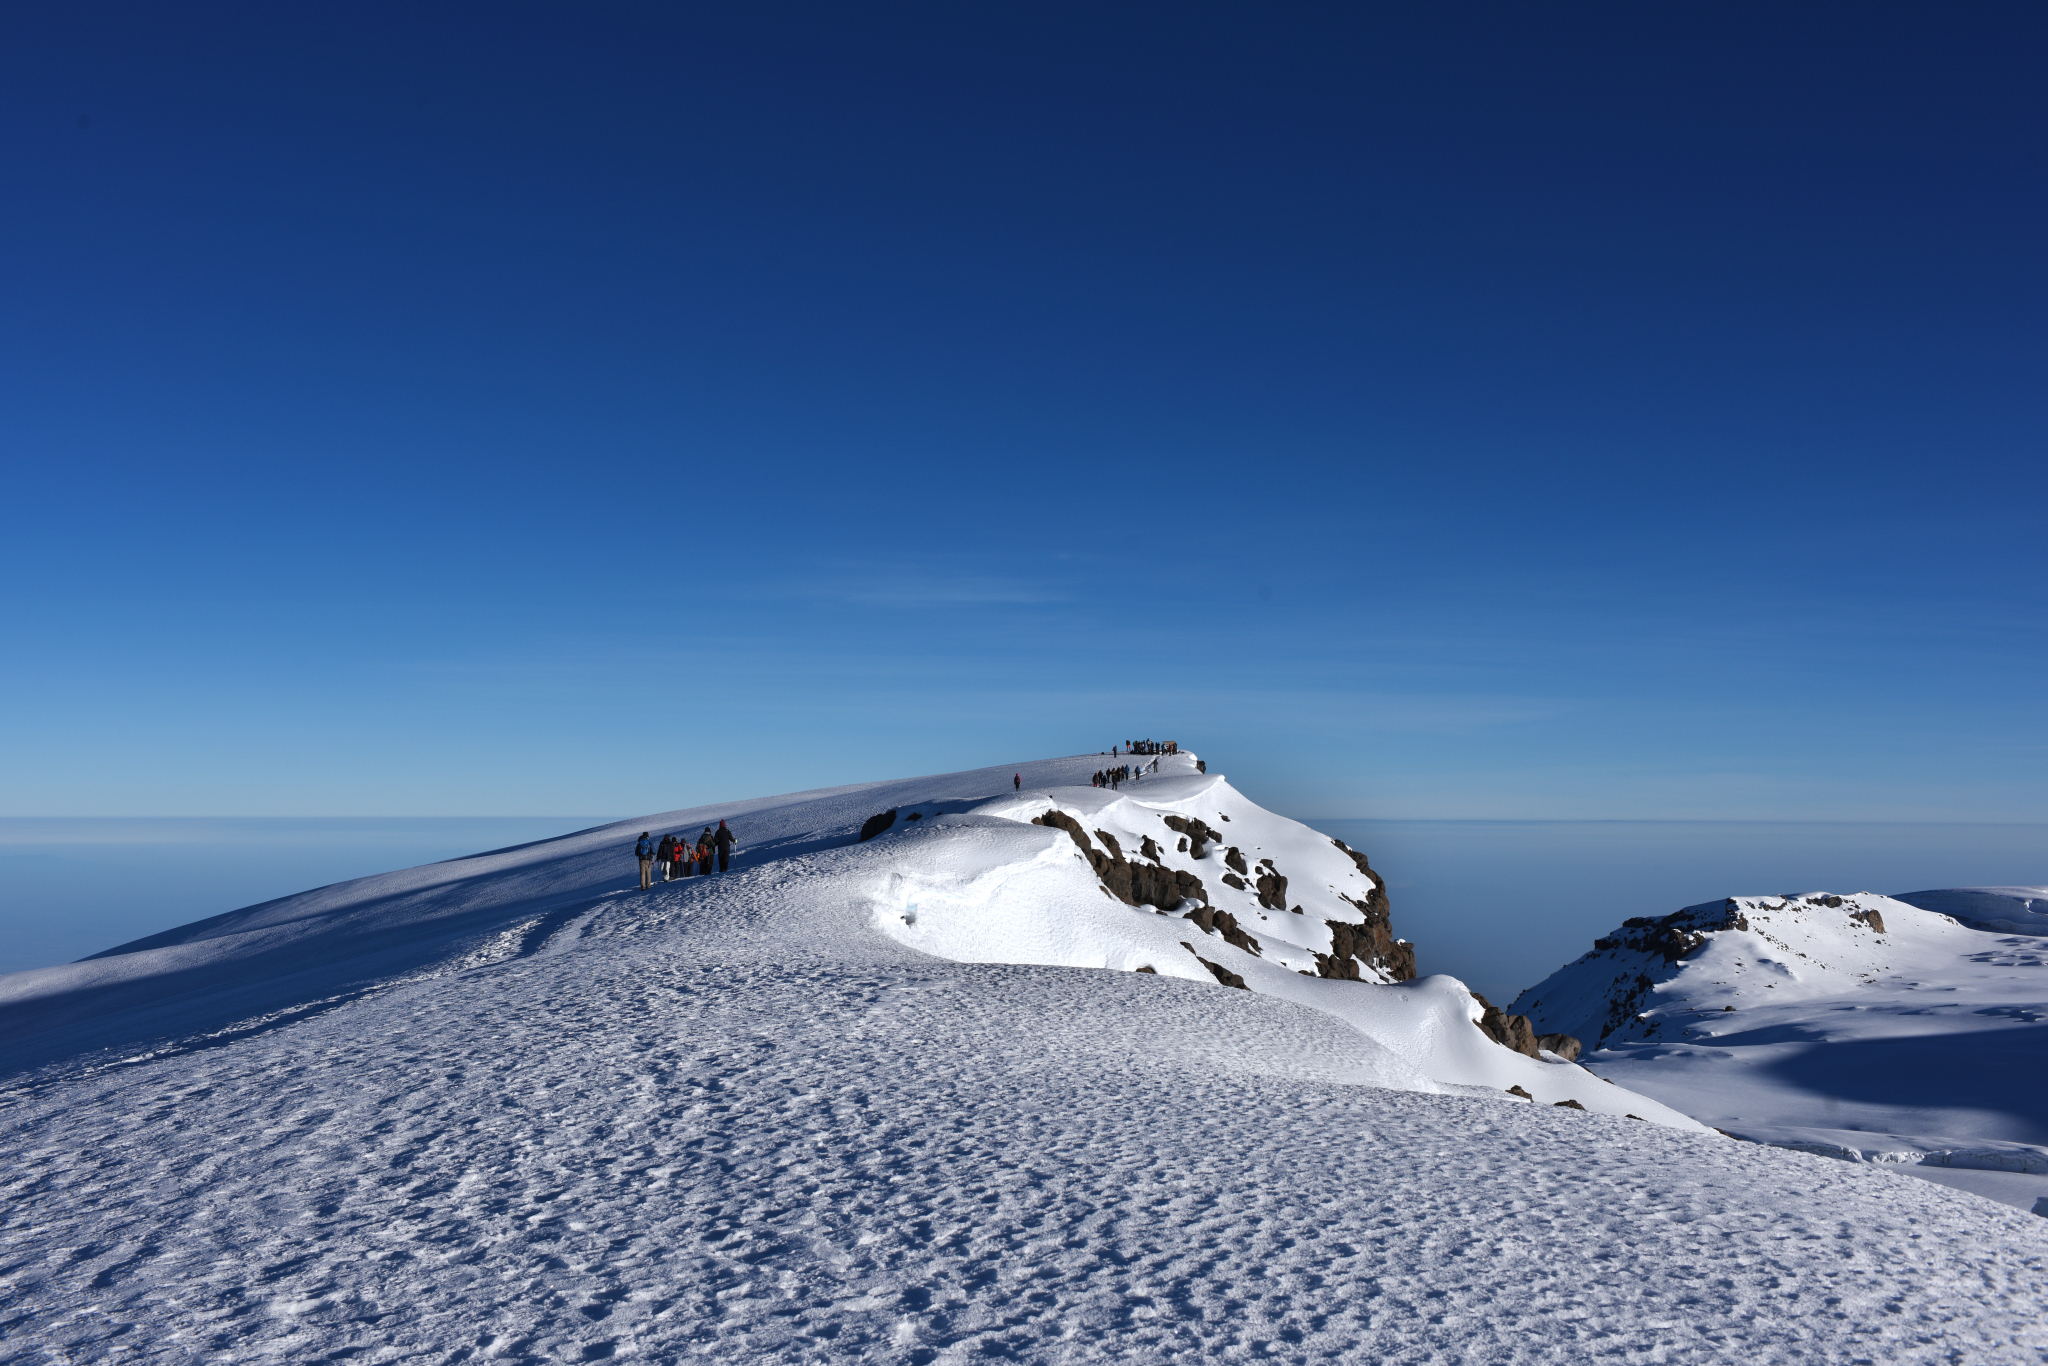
[[1069, 918], [1854, 1025], [2008, 910], [982, 882], [739, 1118]]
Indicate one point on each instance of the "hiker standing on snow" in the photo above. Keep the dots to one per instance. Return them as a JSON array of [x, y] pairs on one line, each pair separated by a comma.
[[644, 851], [1016, 782], [664, 854], [724, 840], [704, 853]]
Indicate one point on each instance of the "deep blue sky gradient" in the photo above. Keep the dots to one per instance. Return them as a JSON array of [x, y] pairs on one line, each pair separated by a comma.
[[1488, 411]]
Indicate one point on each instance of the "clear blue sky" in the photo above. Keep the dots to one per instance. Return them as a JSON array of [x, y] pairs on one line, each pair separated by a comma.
[[1485, 411]]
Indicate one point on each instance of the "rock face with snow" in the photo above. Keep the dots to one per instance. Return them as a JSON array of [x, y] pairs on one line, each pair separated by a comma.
[[922, 1089], [1855, 1025]]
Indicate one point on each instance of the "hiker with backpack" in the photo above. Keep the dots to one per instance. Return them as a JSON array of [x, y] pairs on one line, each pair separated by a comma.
[[644, 851], [724, 840]]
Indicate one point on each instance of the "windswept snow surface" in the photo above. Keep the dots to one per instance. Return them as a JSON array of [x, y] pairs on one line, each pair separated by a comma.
[[1866, 1029], [514, 1108]]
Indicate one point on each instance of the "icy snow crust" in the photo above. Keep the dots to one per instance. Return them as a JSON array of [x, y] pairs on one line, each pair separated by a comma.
[[1807, 1026], [513, 1108]]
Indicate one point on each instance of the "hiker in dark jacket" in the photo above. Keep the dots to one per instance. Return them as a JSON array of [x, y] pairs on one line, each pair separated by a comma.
[[1016, 782], [704, 853], [664, 855], [724, 840], [644, 851]]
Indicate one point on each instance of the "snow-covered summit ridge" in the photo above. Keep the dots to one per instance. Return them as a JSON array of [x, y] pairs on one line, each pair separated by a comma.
[[1853, 1024], [1175, 874], [517, 1108], [2008, 910]]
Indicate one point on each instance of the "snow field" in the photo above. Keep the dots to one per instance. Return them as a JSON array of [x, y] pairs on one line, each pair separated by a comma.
[[709, 1142], [511, 1108]]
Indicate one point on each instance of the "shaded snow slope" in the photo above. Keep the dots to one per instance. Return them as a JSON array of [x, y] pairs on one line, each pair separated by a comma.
[[2008, 910], [1855, 1025]]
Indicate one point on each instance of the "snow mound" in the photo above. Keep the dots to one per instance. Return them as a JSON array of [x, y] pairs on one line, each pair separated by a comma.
[[1857, 1026], [2008, 910]]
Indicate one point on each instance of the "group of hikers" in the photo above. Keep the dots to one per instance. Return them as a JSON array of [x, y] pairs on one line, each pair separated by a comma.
[[1151, 747], [1121, 773], [675, 856]]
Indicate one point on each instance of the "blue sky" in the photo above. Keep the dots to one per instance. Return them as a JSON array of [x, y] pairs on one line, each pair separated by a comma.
[[1499, 411]]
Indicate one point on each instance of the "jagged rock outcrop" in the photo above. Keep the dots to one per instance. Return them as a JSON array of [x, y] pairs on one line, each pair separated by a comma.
[[1869, 917], [1564, 1045], [1678, 934], [1371, 943], [1394, 957], [875, 825], [1234, 858], [1222, 974], [1224, 923], [1509, 1031], [1195, 832], [1133, 884], [1272, 889]]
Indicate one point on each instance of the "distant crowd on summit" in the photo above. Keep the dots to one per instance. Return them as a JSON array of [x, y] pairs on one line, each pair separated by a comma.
[[1122, 773], [1151, 747]]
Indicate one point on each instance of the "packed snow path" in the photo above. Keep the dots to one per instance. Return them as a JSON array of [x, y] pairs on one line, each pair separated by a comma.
[[720, 1120]]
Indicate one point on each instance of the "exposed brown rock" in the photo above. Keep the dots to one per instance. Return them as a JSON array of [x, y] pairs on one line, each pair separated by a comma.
[[1223, 974], [1568, 1105], [1196, 833], [876, 824], [1235, 859], [1223, 922], [1870, 918], [1564, 1045], [1141, 885], [1518, 1091], [1148, 968], [1233, 880], [1509, 1031]]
